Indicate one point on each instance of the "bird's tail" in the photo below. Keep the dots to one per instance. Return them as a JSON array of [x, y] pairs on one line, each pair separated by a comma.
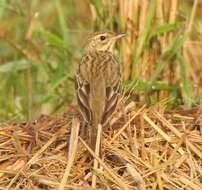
[[95, 134]]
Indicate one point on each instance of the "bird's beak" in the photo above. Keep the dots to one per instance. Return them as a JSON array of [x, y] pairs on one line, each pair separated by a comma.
[[118, 36]]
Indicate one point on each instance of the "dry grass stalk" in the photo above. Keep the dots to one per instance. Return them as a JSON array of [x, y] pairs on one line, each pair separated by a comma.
[[31, 161], [192, 52], [161, 21], [97, 152], [166, 156], [136, 176], [126, 125], [72, 152], [161, 132], [172, 16], [114, 176]]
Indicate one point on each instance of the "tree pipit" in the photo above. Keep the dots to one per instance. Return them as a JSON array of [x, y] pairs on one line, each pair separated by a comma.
[[98, 80]]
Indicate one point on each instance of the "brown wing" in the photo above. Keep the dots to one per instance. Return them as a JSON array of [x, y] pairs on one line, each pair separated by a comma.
[[113, 85], [82, 91], [109, 68]]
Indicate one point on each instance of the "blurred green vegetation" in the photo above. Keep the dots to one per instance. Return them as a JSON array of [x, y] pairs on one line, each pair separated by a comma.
[[41, 43]]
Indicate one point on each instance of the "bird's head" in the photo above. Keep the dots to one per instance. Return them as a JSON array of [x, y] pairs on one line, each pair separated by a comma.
[[102, 41]]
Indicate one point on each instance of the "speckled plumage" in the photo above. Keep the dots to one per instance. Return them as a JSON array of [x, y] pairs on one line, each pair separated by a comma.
[[98, 81]]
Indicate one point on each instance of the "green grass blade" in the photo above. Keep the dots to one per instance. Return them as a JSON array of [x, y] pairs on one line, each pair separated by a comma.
[[62, 22], [168, 54], [99, 7], [143, 38], [55, 83], [186, 88], [164, 28], [15, 66], [52, 39], [158, 86], [2, 7]]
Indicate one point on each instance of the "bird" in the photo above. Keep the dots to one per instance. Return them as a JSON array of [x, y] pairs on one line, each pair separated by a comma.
[[98, 81]]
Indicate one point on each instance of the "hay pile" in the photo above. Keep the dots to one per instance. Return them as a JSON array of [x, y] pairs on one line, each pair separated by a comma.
[[152, 149]]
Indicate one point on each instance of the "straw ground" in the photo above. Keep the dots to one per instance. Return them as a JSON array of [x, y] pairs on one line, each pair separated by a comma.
[[152, 149]]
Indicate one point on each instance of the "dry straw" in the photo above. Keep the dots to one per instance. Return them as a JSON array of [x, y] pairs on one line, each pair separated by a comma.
[[152, 150], [143, 149]]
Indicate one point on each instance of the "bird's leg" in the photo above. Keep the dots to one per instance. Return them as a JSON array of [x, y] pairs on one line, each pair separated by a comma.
[[92, 136], [83, 130]]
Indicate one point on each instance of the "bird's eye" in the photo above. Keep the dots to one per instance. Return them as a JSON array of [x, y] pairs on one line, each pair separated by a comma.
[[102, 38]]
